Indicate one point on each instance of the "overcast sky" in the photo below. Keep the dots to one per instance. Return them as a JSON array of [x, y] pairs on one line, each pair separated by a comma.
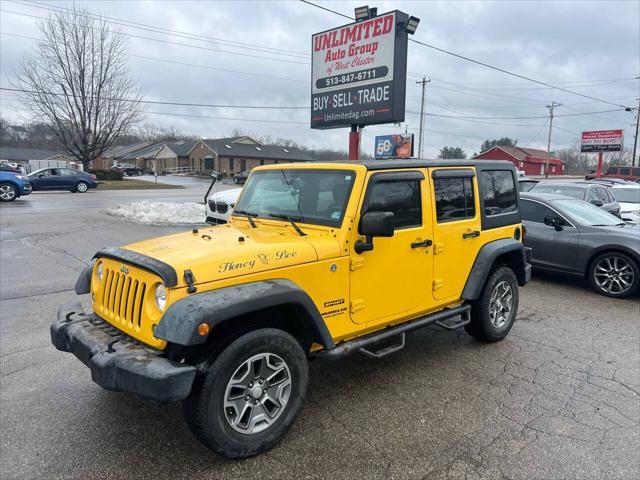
[[589, 47]]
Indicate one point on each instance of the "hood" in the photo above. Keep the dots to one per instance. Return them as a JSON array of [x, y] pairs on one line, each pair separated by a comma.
[[226, 251], [629, 207], [227, 196], [626, 233]]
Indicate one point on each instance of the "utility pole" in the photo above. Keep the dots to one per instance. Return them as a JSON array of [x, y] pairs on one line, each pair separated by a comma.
[[550, 107], [635, 139], [423, 82]]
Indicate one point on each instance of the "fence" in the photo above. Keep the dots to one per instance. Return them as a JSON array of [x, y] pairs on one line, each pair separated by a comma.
[[180, 171]]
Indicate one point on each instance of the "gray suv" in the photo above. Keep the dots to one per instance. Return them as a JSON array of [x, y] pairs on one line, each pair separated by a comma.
[[598, 195]]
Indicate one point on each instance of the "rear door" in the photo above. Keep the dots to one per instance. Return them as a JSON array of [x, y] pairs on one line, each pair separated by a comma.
[[456, 229]]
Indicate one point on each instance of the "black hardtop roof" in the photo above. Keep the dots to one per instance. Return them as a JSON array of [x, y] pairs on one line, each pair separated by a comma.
[[423, 163]]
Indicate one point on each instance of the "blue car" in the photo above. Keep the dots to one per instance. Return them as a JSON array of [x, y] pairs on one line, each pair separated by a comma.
[[62, 179], [13, 185]]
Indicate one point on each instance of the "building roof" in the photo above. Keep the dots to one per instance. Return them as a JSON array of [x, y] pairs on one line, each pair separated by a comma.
[[522, 154], [116, 152], [18, 153], [181, 147], [225, 147]]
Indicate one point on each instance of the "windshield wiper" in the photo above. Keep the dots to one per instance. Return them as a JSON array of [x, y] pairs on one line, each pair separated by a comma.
[[248, 215], [290, 220]]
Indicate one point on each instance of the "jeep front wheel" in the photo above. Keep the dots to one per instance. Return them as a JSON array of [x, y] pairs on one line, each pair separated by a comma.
[[247, 398], [493, 314]]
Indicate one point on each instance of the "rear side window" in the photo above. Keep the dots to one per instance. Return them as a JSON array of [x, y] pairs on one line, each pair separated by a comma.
[[402, 197], [454, 199], [499, 192]]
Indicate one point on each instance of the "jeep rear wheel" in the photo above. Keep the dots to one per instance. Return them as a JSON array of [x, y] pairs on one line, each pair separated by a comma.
[[493, 314], [246, 399]]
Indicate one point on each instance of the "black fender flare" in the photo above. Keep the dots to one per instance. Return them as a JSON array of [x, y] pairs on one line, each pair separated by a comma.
[[180, 322], [83, 283], [485, 259]]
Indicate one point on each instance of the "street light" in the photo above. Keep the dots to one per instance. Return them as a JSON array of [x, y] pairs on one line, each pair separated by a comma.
[[362, 13], [412, 25]]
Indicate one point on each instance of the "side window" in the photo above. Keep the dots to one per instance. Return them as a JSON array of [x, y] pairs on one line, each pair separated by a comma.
[[601, 194], [66, 172], [498, 191], [591, 194], [535, 212], [454, 199], [402, 197]]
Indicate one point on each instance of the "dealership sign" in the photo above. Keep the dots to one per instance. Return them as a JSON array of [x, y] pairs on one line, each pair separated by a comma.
[[394, 146], [359, 73], [602, 141]]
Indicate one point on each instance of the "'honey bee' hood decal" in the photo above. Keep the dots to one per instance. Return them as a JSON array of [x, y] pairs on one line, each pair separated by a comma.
[[226, 251]]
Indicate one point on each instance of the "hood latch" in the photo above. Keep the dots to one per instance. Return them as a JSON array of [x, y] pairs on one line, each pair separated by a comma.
[[190, 281]]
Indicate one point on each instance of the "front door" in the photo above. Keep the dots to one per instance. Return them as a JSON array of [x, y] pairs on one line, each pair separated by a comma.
[[456, 229], [550, 248], [392, 281]]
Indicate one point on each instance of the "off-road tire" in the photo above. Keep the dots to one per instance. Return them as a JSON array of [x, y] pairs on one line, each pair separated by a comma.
[[632, 268], [481, 326], [9, 192], [204, 409]]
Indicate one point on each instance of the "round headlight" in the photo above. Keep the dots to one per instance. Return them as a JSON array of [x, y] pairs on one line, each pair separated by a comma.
[[99, 270], [161, 296]]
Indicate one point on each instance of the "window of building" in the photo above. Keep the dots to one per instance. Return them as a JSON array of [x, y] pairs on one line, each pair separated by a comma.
[[400, 197], [454, 198], [499, 192]]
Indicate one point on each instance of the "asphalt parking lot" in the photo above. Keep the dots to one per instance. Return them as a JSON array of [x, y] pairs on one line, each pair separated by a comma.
[[559, 398]]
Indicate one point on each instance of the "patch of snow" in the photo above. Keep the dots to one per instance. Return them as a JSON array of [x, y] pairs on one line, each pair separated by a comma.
[[161, 213]]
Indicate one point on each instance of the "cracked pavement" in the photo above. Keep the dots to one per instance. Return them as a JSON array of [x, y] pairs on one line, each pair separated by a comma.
[[559, 398]]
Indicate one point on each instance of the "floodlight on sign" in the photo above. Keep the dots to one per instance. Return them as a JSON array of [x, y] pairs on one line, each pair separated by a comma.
[[362, 13], [412, 25]]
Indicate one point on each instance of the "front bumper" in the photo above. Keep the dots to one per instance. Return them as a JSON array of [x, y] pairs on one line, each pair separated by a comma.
[[117, 361], [26, 189]]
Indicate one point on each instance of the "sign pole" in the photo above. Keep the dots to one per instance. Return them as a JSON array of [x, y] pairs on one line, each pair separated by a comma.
[[354, 143], [599, 169]]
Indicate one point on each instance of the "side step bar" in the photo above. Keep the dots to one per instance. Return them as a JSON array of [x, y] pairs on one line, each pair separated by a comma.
[[438, 318]]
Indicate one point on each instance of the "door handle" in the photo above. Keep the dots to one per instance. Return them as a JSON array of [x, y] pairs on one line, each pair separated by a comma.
[[426, 243], [475, 233]]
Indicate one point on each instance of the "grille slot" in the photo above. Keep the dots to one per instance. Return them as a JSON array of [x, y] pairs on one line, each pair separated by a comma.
[[122, 298]]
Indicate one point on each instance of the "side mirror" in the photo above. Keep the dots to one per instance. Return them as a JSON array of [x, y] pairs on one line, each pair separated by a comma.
[[41, 175], [554, 222], [374, 224], [597, 202]]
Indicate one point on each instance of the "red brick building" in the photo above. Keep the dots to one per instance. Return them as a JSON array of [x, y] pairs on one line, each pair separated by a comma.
[[532, 161]]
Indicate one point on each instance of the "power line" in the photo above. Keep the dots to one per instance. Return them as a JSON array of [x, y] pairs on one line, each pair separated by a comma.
[[483, 64], [157, 102], [200, 47], [156, 29]]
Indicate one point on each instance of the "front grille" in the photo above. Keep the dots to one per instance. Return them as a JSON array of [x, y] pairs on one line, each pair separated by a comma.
[[218, 207], [122, 298]]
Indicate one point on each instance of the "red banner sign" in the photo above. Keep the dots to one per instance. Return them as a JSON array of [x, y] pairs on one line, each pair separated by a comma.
[[602, 141]]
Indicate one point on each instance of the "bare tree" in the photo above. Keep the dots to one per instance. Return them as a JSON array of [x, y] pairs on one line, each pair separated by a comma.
[[78, 82]]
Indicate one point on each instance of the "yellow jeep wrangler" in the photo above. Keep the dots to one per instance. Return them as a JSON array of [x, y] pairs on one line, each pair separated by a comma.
[[318, 260]]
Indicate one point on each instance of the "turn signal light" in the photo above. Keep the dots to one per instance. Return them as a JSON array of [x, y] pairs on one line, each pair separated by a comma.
[[203, 329]]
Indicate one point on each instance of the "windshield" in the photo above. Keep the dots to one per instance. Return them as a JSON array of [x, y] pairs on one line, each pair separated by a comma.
[[626, 195], [309, 196], [587, 214], [574, 192]]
